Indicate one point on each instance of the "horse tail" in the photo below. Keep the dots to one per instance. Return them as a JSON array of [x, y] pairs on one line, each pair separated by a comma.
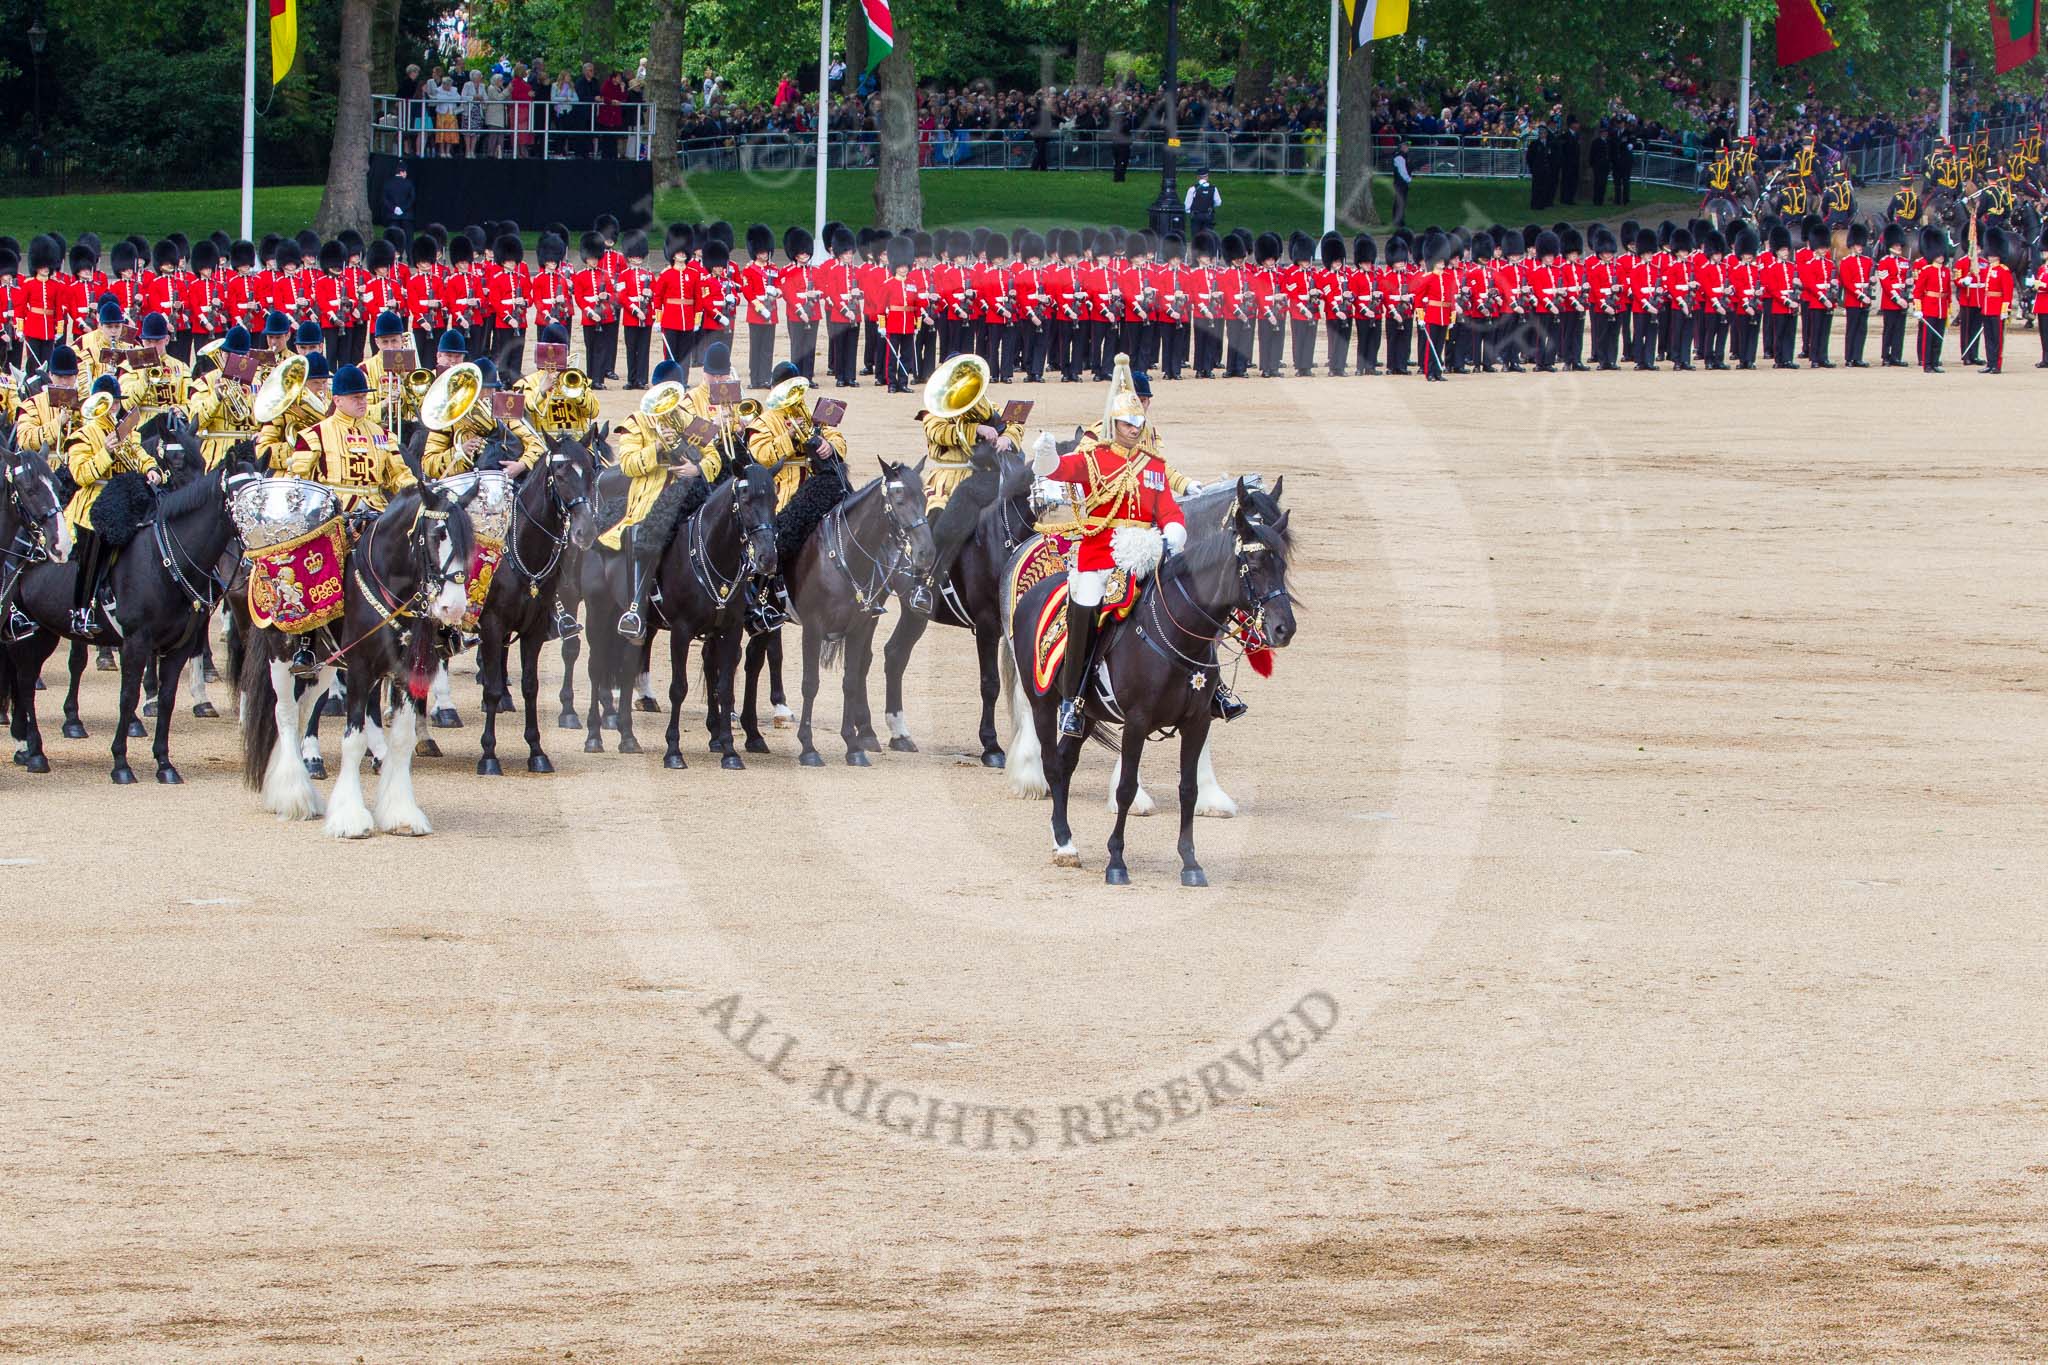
[[259, 716], [237, 649], [1026, 765], [828, 655]]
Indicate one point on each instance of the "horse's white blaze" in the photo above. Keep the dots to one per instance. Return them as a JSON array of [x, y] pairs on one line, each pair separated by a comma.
[[451, 603], [288, 791], [397, 811], [1025, 765], [898, 728], [1141, 804], [1210, 798], [347, 816]]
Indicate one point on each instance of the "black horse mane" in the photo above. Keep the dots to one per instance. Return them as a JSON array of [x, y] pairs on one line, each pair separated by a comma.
[[1208, 557], [193, 495]]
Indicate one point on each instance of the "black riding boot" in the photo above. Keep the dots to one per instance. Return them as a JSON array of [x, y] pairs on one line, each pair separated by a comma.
[[1225, 704], [767, 605], [85, 589], [1074, 668], [633, 623]]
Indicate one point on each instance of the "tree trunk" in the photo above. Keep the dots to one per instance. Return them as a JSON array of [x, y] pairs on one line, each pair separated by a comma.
[[384, 47], [599, 26], [1254, 73], [1087, 62], [899, 199], [1354, 140], [665, 88], [346, 200], [856, 45]]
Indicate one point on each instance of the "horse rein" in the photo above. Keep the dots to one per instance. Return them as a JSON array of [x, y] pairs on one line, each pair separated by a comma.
[[715, 585], [374, 589], [866, 596], [556, 543]]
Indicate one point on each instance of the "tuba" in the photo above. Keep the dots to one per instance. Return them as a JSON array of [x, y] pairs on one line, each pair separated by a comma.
[[454, 403], [281, 389], [956, 385], [662, 406]]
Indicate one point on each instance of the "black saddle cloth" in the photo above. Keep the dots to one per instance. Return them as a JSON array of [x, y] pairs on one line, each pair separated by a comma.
[[124, 506]]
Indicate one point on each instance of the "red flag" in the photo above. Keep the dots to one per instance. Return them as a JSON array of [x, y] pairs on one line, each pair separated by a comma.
[[1802, 31]]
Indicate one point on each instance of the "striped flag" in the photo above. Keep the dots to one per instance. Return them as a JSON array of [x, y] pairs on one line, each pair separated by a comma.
[[2015, 33], [881, 31], [1370, 19], [284, 38]]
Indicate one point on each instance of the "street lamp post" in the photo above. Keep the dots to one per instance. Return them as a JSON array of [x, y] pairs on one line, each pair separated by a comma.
[[37, 37], [1166, 210]]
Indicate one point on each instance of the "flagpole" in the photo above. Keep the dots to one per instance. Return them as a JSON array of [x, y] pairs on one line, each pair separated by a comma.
[[249, 127], [1947, 56], [1330, 133], [1742, 106], [824, 123]]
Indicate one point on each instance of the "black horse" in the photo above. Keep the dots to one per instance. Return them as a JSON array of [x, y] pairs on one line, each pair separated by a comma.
[[32, 531], [552, 519], [164, 590], [1161, 668], [723, 540], [610, 485], [838, 583], [986, 519], [407, 586]]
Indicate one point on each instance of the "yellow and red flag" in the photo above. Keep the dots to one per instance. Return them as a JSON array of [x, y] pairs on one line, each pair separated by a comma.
[[284, 38]]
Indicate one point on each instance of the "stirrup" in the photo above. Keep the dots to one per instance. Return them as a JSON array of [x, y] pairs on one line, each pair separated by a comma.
[[921, 597], [765, 616], [1226, 705], [82, 622], [20, 625], [566, 627], [1073, 724], [304, 663], [631, 625]]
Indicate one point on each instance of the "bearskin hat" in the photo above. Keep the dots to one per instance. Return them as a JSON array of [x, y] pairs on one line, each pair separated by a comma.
[[998, 246], [351, 241], [425, 250], [1745, 241], [1714, 242], [1664, 231], [760, 240], [508, 250], [166, 254], [606, 226], [1512, 243], [1364, 251], [1630, 230], [266, 248], [1299, 248], [205, 256], [141, 245], [121, 259], [591, 245], [380, 256], [308, 242], [551, 250], [1436, 248], [478, 243], [1570, 241], [796, 241], [1603, 242], [1333, 249], [717, 254], [1781, 238], [242, 253], [1399, 251], [1681, 240], [461, 251], [289, 255], [1933, 244], [84, 259], [1547, 245], [333, 256], [721, 231], [841, 240], [633, 245], [900, 251], [1206, 244], [1859, 234], [1815, 229], [1266, 248], [1172, 247]]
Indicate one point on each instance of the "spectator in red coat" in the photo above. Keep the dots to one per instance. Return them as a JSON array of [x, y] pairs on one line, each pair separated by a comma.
[[611, 115]]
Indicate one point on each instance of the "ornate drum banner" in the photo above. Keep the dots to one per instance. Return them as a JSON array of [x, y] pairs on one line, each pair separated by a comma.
[[490, 514], [293, 539]]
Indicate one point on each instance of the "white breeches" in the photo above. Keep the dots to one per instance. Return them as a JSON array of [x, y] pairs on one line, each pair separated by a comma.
[[1087, 587]]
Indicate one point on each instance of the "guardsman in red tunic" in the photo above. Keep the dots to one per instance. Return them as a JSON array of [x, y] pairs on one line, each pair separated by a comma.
[[1856, 287], [1062, 309], [597, 309], [1645, 290], [869, 276], [1997, 288], [1540, 277], [1781, 298], [635, 289], [1027, 306], [548, 295], [506, 307], [839, 307], [87, 283], [423, 307], [761, 293], [1711, 275], [2041, 311], [1121, 484], [1933, 298], [902, 307], [1436, 303], [802, 300], [1606, 299], [40, 306], [10, 327], [718, 296], [462, 295], [1817, 284], [988, 306], [1894, 281], [1397, 289], [1367, 304]]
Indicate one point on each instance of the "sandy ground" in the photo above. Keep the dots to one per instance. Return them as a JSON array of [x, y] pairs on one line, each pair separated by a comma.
[[1629, 947]]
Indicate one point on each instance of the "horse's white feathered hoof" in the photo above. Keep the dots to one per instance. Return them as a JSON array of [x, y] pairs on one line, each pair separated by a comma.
[[1066, 857], [347, 824], [406, 820], [1215, 803], [1027, 781], [784, 717]]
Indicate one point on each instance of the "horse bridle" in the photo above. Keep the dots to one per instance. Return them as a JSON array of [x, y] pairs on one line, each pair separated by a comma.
[[900, 535], [418, 537], [175, 558], [1219, 631], [556, 543], [30, 545], [715, 585]]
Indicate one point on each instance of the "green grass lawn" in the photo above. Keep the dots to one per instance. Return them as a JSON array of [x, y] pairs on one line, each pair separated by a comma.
[[995, 199]]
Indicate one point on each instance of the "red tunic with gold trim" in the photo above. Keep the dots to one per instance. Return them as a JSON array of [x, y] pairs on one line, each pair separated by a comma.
[[1120, 488]]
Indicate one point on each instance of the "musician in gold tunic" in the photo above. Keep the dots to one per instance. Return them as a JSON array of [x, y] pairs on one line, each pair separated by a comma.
[[348, 452], [45, 418], [392, 355], [96, 450], [651, 455], [164, 382], [951, 432], [97, 348], [277, 439], [550, 404], [451, 452], [790, 442], [220, 405]]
